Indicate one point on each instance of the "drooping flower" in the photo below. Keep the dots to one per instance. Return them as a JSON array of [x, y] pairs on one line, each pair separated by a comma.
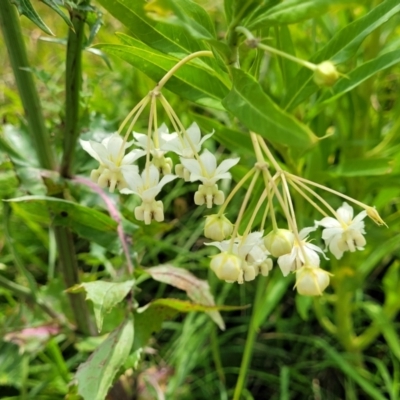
[[302, 253], [157, 146], [227, 266], [110, 153], [311, 280], [345, 233], [147, 186], [206, 171]]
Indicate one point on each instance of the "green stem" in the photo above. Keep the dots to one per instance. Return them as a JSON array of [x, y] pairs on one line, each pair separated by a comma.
[[251, 336], [69, 267], [14, 40], [13, 37], [73, 83]]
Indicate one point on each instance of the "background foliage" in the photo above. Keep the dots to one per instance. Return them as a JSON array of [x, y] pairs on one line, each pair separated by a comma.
[[343, 345]]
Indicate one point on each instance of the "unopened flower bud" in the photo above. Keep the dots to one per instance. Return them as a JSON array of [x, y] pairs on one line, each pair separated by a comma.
[[311, 281], [326, 74], [227, 266], [374, 215], [217, 227], [279, 242]]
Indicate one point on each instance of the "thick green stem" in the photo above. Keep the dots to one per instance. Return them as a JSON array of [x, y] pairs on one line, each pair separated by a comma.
[[251, 336], [13, 38], [73, 83], [27, 90], [69, 267]]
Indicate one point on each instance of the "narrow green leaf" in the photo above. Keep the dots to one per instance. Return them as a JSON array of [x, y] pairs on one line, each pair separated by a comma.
[[185, 13], [194, 81], [386, 326], [95, 376], [197, 289], [292, 11], [104, 295], [364, 167], [251, 105], [54, 6], [25, 8], [340, 48], [163, 37]]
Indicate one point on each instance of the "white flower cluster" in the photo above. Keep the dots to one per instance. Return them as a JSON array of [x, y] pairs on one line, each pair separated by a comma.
[[242, 258], [116, 169]]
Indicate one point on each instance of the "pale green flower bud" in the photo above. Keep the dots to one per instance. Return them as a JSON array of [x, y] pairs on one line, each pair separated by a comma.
[[217, 227], [227, 266], [311, 281], [279, 242], [326, 74]]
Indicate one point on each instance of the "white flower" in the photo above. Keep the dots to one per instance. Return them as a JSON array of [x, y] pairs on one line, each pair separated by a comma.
[[206, 171], [345, 233], [157, 148], [311, 280], [217, 227], [147, 186], [110, 153], [183, 144], [295, 259]]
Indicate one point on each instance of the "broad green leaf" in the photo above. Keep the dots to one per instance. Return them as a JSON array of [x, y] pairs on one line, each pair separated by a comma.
[[104, 295], [341, 48], [292, 11], [86, 222], [95, 376], [358, 76], [252, 106], [25, 8], [11, 365], [194, 81], [364, 167], [55, 7], [386, 326], [197, 290]]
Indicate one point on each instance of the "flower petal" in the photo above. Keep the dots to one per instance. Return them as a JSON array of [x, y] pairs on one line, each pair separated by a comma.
[[132, 156], [226, 165], [89, 149]]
